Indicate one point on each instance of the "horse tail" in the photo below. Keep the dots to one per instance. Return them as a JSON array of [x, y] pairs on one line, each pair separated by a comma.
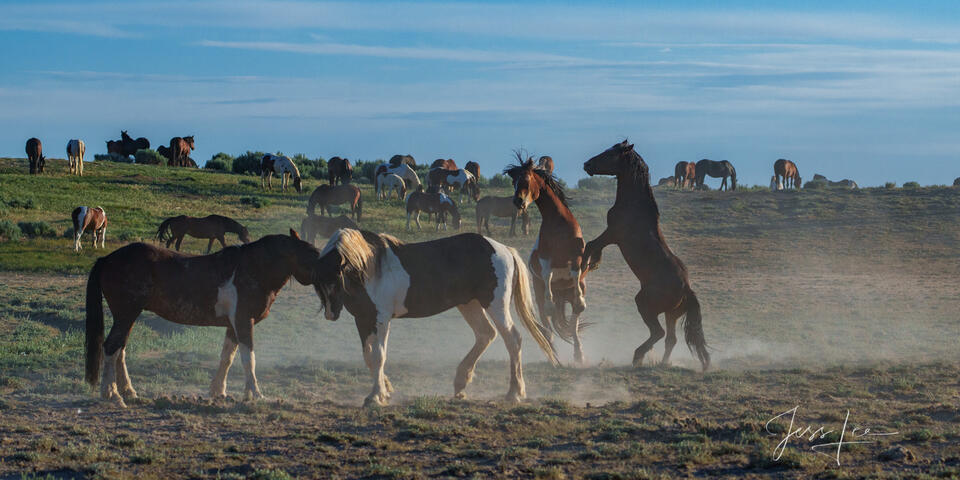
[[359, 207], [163, 232], [94, 324], [693, 330], [523, 302]]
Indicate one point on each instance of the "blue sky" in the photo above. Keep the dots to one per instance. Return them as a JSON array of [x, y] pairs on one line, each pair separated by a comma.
[[864, 90]]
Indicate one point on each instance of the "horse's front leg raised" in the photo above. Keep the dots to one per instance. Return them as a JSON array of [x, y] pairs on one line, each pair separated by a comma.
[[594, 249]]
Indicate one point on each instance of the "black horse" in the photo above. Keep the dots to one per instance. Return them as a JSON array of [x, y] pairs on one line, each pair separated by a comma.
[[717, 169]]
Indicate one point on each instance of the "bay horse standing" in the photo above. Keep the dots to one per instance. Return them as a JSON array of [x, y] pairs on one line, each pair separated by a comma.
[[339, 170], [633, 224], [558, 251], [213, 227], [180, 148], [432, 202], [326, 195], [282, 166], [786, 173], [75, 151], [233, 288], [93, 218], [716, 169], [685, 173], [501, 207], [35, 155], [379, 278]]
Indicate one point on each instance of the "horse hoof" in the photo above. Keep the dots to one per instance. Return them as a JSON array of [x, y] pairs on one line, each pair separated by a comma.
[[513, 398], [130, 393], [376, 400], [460, 396]]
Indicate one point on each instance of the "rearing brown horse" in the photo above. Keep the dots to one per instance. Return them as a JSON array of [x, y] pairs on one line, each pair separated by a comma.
[[558, 253], [633, 223]]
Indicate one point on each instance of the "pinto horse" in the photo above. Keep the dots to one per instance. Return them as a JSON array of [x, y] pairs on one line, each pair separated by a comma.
[[75, 150], [559, 245], [404, 171], [339, 170], [397, 160], [35, 155], [432, 202], [387, 183], [233, 288], [283, 166], [716, 169], [379, 278], [501, 207], [633, 224], [213, 227], [93, 218], [786, 174], [326, 195], [459, 179], [313, 225]]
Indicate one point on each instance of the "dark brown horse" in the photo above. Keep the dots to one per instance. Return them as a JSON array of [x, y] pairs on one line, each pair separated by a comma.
[[180, 148], [397, 160], [685, 173], [474, 168], [115, 147], [432, 202], [129, 146], [633, 224], [501, 207], [546, 163], [314, 225], [716, 169], [447, 164], [326, 195], [166, 153], [339, 170], [35, 155], [233, 288], [786, 174], [213, 227], [559, 247]]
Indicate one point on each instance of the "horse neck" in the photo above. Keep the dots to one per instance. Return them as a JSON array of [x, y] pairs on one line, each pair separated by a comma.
[[550, 206], [633, 191]]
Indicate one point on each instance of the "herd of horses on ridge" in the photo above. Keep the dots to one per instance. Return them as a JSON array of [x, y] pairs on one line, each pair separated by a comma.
[[377, 277]]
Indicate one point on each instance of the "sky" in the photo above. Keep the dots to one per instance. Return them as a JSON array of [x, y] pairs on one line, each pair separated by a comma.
[[867, 90]]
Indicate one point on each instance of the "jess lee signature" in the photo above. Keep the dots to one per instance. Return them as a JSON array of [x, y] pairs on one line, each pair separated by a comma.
[[858, 434]]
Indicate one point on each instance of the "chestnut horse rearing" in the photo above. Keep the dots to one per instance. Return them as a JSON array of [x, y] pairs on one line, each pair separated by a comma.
[[633, 224], [559, 247], [233, 288]]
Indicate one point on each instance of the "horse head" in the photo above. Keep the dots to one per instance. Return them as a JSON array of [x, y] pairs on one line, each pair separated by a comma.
[[526, 182], [244, 235], [610, 161]]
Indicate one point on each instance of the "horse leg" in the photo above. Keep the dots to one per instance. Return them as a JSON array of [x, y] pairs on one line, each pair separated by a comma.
[[218, 388], [578, 355], [513, 226], [546, 273], [650, 318], [378, 356], [485, 334], [499, 312], [103, 237], [123, 377], [209, 245], [671, 340], [366, 330], [417, 218], [179, 239], [223, 241], [244, 327], [114, 356], [77, 247]]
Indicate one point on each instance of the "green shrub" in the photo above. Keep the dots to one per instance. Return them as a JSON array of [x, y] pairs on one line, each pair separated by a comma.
[[146, 156], [248, 162], [364, 170], [113, 157], [890, 185], [911, 185], [26, 204], [255, 202], [37, 229], [310, 168], [221, 161], [9, 230], [815, 185], [501, 181], [597, 183]]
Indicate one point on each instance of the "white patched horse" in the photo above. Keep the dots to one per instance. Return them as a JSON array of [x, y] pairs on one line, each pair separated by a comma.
[[282, 166], [379, 278], [75, 151], [462, 180], [96, 219], [410, 178], [774, 184], [387, 183]]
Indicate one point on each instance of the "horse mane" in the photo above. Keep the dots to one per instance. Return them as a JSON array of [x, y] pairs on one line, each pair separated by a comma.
[[549, 179], [361, 251], [640, 173]]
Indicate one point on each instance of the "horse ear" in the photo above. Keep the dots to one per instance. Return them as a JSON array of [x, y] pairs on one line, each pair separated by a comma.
[[294, 234]]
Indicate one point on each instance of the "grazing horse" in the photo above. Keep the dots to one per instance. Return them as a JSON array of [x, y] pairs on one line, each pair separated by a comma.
[[180, 148], [326, 195], [129, 146], [716, 169], [95, 219], [432, 202], [379, 278], [35, 155], [233, 288], [459, 179], [213, 227], [387, 183], [559, 246], [404, 171], [75, 151], [282, 166], [397, 160], [786, 174], [633, 224], [447, 164], [339, 170], [501, 207], [685, 173], [313, 225], [546, 164]]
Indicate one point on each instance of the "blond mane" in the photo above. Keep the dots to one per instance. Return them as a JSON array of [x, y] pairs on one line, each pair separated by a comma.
[[360, 251]]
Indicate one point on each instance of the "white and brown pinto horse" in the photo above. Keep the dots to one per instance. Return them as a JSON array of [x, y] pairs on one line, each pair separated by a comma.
[[459, 179], [387, 183], [75, 151], [404, 171], [282, 166], [432, 202], [233, 288], [93, 218], [378, 278]]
